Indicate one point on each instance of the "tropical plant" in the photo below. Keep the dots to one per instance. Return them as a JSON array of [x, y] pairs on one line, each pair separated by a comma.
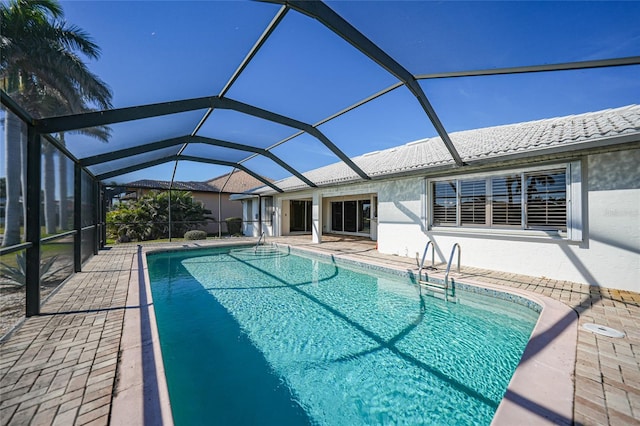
[[148, 217], [15, 276], [40, 67], [59, 107]]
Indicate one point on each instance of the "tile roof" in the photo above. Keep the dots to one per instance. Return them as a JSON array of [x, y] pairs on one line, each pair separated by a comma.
[[480, 144], [177, 185], [239, 181]]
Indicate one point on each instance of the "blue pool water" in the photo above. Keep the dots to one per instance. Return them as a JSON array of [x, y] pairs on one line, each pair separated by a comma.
[[272, 338]]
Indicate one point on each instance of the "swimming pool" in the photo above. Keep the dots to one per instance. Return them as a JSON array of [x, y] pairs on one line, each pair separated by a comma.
[[276, 338]]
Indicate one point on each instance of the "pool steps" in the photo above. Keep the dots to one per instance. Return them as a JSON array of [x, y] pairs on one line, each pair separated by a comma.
[[262, 237], [438, 285]]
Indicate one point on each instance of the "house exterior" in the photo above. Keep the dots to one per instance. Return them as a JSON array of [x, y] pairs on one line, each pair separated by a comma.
[[223, 206], [556, 198], [214, 194]]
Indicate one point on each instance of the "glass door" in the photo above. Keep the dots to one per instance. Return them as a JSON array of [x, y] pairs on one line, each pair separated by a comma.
[[351, 216], [364, 216], [300, 216]]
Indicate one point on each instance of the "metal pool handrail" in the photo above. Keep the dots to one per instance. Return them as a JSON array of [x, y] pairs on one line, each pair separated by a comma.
[[446, 275], [421, 265], [262, 236]]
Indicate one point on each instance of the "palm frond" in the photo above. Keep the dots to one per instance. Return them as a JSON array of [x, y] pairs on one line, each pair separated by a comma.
[[73, 38], [35, 41]]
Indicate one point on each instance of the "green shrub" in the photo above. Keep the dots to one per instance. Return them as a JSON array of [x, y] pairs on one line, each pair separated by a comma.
[[234, 225], [195, 235], [148, 217]]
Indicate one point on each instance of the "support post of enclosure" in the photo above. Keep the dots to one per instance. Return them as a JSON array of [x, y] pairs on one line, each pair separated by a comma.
[[77, 218], [32, 225], [103, 215], [96, 217]]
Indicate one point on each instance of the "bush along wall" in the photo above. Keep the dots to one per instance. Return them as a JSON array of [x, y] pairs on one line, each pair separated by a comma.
[[195, 235], [234, 225]]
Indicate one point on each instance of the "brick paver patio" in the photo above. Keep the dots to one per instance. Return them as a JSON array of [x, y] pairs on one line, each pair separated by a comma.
[[61, 367]]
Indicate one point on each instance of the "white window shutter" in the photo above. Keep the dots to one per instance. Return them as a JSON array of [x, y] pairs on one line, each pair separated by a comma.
[[574, 206]]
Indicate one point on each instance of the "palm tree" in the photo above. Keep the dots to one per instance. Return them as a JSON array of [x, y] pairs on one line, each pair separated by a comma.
[[56, 106], [39, 63]]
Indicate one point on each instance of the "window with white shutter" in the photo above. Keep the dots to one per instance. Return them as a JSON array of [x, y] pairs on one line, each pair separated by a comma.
[[473, 202], [445, 203], [546, 206], [535, 199], [506, 200]]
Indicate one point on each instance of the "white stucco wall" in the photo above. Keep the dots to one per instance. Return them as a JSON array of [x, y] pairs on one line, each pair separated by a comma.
[[609, 255], [251, 222], [401, 217]]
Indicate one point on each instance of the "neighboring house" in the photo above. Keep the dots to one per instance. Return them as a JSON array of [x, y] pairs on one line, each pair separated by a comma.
[[237, 182], [213, 194], [556, 198]]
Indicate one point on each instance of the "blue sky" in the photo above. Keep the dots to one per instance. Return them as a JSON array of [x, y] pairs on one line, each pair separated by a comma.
[[157, 51]]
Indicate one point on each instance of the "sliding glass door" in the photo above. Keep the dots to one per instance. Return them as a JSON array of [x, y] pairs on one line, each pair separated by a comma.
[[300, 216], [353, 216]]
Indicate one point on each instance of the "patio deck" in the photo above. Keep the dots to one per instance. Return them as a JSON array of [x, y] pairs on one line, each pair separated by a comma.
[[64, 367]]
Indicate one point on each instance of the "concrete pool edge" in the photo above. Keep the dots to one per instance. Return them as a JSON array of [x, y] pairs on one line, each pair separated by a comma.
[[140, 394], [541, 390]]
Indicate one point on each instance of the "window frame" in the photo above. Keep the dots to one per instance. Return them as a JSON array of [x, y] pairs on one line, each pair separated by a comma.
[[573, 200]]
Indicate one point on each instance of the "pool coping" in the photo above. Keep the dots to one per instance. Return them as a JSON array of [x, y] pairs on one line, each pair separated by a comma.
[[141, 394], [545, 373], [541, 390]]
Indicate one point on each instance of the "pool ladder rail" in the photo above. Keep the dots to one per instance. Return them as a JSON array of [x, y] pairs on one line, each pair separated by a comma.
[[262, 237], [438, 286]]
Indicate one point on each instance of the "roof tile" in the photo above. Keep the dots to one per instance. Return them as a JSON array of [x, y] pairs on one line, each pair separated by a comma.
[[490, 142], [239, 181]]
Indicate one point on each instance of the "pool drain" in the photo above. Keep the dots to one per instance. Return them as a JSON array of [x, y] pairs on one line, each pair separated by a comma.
[[604, 330]]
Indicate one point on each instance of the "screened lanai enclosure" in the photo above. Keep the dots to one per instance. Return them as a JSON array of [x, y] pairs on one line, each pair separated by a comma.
[[277, 88]]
